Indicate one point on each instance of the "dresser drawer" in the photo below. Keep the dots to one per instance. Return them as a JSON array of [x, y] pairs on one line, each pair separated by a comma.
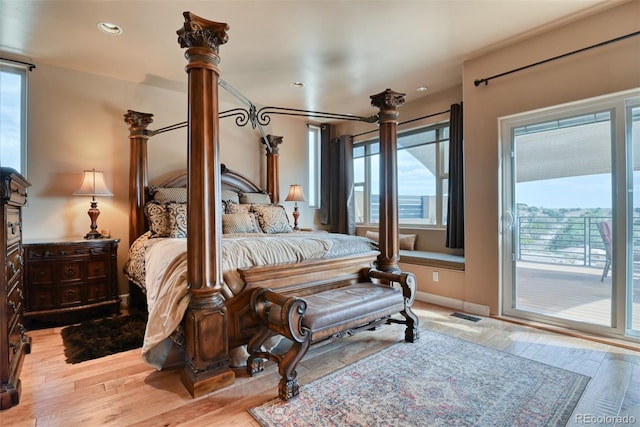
[[14, 264], [13, 225]]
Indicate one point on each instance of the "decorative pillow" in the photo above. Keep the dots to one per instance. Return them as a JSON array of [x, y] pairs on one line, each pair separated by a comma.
[[166, 195], [230, 196], [239, 223], [256, 198], [158, 218], [233, 208], [407, 241], [177, 220], [272, 218]]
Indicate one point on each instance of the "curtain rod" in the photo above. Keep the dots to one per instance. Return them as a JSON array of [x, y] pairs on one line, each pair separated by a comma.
[[403, 123], [28, 64], [478, 82]]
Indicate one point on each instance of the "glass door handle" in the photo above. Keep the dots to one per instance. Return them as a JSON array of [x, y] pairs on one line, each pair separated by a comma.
[[507, 219]]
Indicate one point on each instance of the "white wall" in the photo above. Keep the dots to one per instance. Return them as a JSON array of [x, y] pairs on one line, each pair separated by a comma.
[[76, 122]]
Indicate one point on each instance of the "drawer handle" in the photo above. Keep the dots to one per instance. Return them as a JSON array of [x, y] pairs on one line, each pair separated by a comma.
[[71, 293], [21, 294], [13, 306], [14, 347], [12, 266], [69, 272]]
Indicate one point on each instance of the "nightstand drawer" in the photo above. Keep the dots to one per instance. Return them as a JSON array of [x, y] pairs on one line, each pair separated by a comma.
[[69, 271], [96, 269], [40, 274], [69, 295], [69, 281], [41, 298]]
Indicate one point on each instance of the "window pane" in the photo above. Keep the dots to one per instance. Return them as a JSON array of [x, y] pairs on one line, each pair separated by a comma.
[[374, 189], [11, 126], [417, 185], [313, 166], [359, 197]]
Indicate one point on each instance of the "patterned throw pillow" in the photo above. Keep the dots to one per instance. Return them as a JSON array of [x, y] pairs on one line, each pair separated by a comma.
[[230, 196], [166, 195], [255, 198], [158, 218], [177, 220], [272, 218], [233, 208], [239, 223]]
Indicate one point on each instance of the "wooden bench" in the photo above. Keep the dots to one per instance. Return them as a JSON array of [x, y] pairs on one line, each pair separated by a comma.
[[326, 314]]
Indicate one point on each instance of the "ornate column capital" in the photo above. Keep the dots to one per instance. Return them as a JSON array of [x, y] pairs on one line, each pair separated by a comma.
[[200, 32], [137, 120], [274, 141], [387, 101]]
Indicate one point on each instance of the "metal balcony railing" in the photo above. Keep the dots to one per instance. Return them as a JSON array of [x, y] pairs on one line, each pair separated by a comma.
[[567, 240]]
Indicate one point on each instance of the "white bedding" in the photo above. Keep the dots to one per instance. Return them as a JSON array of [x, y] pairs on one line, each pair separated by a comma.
[[164, 272]]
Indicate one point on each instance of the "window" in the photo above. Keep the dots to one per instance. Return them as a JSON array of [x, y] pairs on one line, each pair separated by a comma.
[[313, 166], [423, 168], [13, 113]]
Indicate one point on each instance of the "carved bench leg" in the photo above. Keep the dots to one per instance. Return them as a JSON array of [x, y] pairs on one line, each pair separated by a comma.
[[255, 361], [411, 333], [288, 386]]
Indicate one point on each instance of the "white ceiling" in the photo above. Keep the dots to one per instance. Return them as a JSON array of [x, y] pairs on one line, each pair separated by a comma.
[[344, 51]]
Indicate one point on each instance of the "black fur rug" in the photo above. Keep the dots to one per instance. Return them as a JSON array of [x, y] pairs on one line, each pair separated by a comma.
[[98, 338]]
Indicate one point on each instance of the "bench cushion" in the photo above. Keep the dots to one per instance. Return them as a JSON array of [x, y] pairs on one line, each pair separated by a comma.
[[331, 311]]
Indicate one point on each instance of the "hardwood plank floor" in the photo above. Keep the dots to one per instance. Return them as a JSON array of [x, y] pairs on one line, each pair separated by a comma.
[[121, 390]]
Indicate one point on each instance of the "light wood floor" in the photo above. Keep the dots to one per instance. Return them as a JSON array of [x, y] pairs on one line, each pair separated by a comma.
[[121, 390]]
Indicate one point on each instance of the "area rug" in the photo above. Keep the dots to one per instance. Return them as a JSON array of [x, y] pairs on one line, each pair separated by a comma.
[[98, 338], [436, 381]]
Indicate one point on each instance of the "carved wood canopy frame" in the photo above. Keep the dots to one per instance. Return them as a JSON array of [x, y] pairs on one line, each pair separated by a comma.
[[206, 365]]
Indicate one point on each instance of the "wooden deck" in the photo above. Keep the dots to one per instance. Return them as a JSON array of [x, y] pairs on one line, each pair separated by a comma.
[[574, 293]]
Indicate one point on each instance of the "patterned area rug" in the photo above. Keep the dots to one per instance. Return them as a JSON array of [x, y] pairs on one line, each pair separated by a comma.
[[437, 381]]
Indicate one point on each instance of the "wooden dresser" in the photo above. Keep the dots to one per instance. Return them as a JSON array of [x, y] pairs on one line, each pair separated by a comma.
[[70, 281], [14, 342]]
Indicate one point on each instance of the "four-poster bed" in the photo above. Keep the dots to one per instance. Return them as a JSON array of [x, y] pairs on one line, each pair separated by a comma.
[[215, 319]]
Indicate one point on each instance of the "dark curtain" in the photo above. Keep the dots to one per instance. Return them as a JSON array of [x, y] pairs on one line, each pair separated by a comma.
[[337, 205], [455, 212]]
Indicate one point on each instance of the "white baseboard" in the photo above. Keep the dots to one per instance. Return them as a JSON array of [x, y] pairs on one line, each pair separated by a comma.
[[467, 307], [124, 301]]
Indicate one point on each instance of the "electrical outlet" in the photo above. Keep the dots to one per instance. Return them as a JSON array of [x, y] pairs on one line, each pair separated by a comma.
[[435, 276]]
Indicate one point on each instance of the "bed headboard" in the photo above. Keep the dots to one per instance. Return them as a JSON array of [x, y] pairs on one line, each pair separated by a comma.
[[230, 180]]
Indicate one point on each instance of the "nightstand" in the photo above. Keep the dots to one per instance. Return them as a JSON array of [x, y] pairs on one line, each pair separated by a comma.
[[70, 281]]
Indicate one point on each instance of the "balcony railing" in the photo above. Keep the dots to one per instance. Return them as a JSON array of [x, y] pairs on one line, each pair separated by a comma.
[[568, 240]]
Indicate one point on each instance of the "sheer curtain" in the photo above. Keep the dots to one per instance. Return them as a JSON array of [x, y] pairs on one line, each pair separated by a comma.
[[455, 212]]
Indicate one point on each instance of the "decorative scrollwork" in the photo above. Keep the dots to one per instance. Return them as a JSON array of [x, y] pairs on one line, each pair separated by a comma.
[[242, 116]]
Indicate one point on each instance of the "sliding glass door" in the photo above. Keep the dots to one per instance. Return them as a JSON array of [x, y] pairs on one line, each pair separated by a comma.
[[569, 227]]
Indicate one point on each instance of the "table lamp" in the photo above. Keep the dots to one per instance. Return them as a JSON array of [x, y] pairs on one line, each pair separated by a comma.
[[295, 195], [93, 185]]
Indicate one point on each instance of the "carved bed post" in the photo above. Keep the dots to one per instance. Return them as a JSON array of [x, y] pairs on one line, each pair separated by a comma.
[[206, 366], [387, 101], [138, 170], [273, 177]]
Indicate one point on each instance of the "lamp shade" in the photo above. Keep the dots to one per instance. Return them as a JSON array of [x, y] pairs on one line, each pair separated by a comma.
[[93, 184], [295, 194]]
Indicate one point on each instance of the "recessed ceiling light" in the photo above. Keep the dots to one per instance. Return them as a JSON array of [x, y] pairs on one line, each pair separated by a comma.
[[109, 28], [297, 84], [422, 89]]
